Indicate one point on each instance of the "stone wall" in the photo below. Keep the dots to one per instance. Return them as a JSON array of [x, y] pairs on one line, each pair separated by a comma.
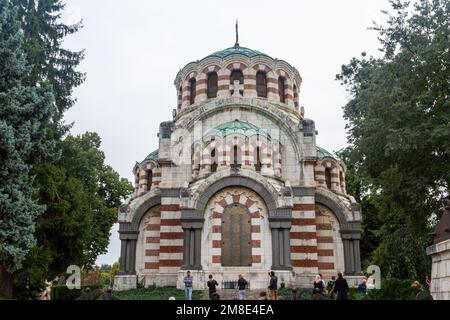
[[440, 270]]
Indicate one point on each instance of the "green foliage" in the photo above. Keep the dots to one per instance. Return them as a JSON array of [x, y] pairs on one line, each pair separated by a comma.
[[82, 194], [399, 135], [393, 289], [64, 293], [24, 110], [296, 293], [156, 293], [52, 64]]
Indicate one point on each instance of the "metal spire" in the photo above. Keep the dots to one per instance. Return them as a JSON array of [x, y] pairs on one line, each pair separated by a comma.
[[237, 35]]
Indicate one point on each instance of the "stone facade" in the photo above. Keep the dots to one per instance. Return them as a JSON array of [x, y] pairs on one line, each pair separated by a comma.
[[238, 139], [440, 270]]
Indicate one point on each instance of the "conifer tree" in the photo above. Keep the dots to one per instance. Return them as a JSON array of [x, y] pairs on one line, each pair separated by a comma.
[[24, 112]]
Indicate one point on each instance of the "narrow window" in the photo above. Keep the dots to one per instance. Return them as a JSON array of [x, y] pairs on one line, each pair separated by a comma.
[[192, 90], [213, 161], [261, 84], [281, 89], [235, 157], [328, 177], [295, 96], [212, 85], [258, 160], [341, 179], [149, 179], [180, 97]]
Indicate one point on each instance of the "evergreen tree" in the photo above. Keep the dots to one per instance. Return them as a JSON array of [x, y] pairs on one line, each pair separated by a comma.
[[52, 64], [24, 111], [399, 130]]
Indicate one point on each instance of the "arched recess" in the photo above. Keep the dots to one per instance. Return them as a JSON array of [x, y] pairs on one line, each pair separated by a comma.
[[350, 230], [129, 233], [193, 218]]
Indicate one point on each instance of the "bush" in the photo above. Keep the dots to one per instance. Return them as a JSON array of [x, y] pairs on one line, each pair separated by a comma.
[[64, 293], [156, 293], [296, 293], [394, 289]]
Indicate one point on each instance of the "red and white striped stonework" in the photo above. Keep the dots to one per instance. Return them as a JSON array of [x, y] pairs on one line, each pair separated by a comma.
[[304, 256], [141, 173], [171, 236], [260, 233], [329, 243], [249, 67], [270, 156], [337, 175], [148, 244]]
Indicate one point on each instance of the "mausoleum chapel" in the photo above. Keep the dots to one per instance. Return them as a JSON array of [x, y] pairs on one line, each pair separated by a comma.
[[238, 185]]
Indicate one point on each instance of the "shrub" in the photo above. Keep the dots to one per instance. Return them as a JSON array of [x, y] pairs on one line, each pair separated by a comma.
[[156, 293], [296, 293], [394, 289], [64, 293]]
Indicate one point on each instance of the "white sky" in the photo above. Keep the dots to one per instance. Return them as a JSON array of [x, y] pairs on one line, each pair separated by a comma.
[[134, 49]]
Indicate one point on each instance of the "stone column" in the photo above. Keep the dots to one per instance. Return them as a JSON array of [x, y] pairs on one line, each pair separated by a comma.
[[275, 249], [281, 243], [352, 260], [192, 224], [287, 248], [128, 252]]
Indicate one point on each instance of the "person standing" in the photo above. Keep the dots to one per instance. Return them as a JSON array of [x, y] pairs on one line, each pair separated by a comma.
[[341, 288], [273, 286], [330, 287], [318, 288], [242, 284], [212, 284], [188, 286]]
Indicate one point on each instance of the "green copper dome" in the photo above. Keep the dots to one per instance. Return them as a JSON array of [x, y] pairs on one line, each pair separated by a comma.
[[237, 50], [152, 156], [237, 127], [322, 153]]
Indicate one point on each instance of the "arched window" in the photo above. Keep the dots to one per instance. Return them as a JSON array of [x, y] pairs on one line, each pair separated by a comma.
[[180, 97], [149, 179], [192, 90], [328, 177], [235, 163], [213, 161], [281, 89], [237, 75], [261, 84], [295, 96], [258, 160], [212, 85]]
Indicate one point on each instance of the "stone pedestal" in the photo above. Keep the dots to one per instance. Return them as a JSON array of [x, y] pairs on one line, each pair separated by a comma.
[[124, 282], [440, 270]]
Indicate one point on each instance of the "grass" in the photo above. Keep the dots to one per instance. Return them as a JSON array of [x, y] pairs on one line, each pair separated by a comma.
[[156, 293]]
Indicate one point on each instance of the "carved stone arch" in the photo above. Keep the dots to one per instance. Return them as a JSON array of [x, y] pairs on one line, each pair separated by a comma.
[[142, 209], [268, 195], [289, 130]]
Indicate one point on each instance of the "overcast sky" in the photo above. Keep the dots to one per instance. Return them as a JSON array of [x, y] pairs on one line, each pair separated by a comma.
[[135, 48]]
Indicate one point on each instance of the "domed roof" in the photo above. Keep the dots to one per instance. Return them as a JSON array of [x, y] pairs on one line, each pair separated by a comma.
[[245, 128], [250, 53], [153, 156], [322, 153]]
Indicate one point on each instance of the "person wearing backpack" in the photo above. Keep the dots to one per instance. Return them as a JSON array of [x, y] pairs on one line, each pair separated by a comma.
[[319, 291], [212, 284]]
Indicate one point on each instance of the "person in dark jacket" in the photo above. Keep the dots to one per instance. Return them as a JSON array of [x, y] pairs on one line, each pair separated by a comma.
[[242, 284], [212, 284], [341, 288], [273, 286]]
